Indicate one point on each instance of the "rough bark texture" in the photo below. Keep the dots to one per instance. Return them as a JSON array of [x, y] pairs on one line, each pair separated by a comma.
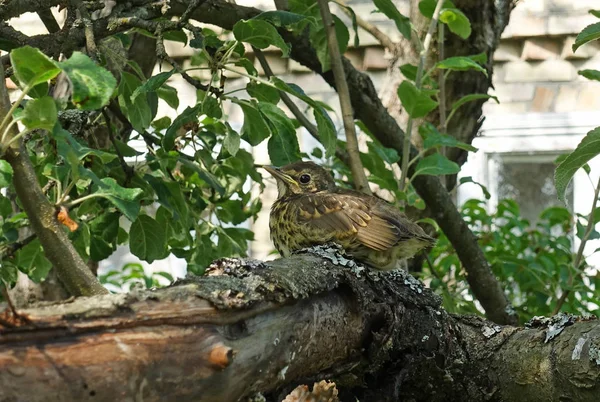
[[254, 327]]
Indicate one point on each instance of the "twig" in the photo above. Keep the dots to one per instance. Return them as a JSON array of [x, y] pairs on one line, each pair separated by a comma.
[[128, 170], [588, 230], [48, 20], [90, 41], [358, 172], [422, 58], [311, 128], [11, 249], [194, 4], [381, 37], [442, 79]]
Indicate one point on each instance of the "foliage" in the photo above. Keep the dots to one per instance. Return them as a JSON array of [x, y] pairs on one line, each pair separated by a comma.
[[188, 191], [534, 263], [133, 275]]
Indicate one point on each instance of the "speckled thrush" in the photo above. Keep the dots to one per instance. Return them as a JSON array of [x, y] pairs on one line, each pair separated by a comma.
[[311, 210]]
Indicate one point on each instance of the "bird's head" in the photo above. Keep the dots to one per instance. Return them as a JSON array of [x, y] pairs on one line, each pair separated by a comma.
[[301, 178]]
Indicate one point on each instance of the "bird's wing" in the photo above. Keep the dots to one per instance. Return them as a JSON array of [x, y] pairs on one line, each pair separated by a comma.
[[348, 215]]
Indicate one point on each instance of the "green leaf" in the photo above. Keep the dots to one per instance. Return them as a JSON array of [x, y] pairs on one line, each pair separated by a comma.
[[92, 85], [456, 21], [169, 95], [67, 144], [103, 235], [205, 175], [414, 101], [472, 97], [460, 63], [147, 239], [137, 112], [32, 261], [190, 114], [427, 7], [469, 179], [283, 145], [152, 84], [39, 90], [122, 198], [261, 34], [176, 36], [388, 8], [318, 38], [595, 13], [32, 67], [231, 142], [590, 74], [40, 113], [589, 33], [327, 132], [161, 124], [432, 138], [587, 149], [436, 164], [255, 129], [262, 92], [6, 174]]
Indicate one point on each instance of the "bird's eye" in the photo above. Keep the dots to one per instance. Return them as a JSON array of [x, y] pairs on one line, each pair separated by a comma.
[[305, 178]]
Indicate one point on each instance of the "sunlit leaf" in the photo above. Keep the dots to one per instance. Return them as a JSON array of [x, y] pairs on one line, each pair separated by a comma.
[[32, 67], [414, 101], [40, 114], [402, 22], [587, 149], [436, 164], [259, 33], [589, 33], [92, 85]]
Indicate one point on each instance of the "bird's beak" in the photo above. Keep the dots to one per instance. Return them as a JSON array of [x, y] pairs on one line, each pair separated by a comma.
[[278, 174]]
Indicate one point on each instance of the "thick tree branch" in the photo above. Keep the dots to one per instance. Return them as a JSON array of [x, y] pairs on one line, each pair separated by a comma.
[[71, 268], [264, 327]]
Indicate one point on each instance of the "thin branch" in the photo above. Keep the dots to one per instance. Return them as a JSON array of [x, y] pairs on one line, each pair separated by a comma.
[[48, 20], [579, 256], [418, 83], [11, 249], [90, 41], [128, 170], [358, 172], [301, 117], [442, 78], [381, 37]]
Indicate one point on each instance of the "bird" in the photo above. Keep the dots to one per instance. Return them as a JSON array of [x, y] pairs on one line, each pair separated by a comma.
[[311, 210]]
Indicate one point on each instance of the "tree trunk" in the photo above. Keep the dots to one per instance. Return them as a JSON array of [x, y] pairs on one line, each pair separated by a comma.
[[253, 327]]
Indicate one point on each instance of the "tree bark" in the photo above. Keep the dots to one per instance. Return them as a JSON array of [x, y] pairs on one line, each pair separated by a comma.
[[253, 327]]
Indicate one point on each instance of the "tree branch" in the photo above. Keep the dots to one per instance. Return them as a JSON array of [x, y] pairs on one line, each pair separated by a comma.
[[253, 327], [71, 268], [358, 172]]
